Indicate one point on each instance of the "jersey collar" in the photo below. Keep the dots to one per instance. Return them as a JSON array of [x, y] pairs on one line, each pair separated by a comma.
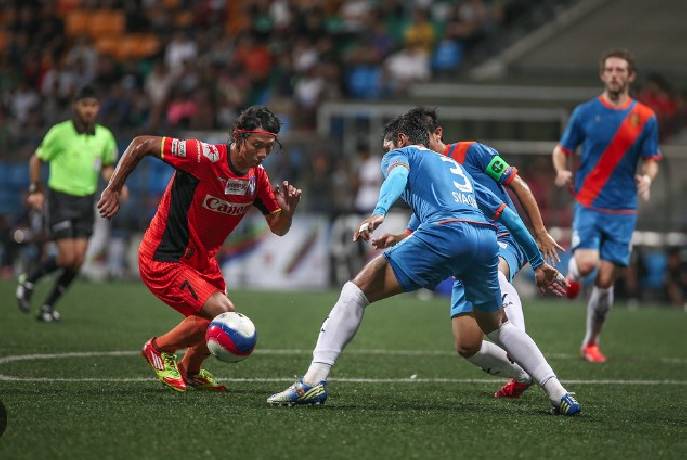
[[606, 103], [83, 128]]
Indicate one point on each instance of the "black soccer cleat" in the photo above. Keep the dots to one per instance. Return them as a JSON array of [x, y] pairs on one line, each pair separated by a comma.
[[48, 315]]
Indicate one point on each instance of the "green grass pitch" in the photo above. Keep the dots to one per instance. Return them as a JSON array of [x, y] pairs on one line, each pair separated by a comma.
[[81, 400]]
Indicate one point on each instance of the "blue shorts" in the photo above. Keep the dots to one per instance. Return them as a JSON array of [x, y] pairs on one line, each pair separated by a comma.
[[436, 251], [510, 252], [610, 234]]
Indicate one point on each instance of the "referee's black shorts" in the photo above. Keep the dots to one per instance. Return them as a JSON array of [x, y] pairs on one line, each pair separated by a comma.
[[70, 216]]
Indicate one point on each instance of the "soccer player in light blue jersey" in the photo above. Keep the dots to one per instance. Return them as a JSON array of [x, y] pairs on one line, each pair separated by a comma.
[[615, 133], [489, 169], [453, 238]]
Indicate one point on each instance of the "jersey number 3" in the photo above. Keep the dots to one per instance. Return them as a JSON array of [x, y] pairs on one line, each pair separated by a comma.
[[464, 185]]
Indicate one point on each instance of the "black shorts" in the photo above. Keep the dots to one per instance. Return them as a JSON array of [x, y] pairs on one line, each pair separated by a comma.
[[70, 216]]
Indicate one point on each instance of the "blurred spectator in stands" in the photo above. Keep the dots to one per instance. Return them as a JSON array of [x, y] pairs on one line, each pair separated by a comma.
[[23, 101], [341, 179], [676, 276], [420, 32], [468, 22], [368, 179], [318, 198], [182, 107], [354, 14], [180, 49], [157, 87], [84, 56], [406, 66], [658, 94]]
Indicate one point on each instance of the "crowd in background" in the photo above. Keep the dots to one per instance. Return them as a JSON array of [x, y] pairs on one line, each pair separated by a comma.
[[168, 66], [201, 62]]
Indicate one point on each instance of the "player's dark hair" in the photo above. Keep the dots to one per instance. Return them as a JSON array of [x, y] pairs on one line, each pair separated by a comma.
[[412, 127], [254, 118], [86, 92], [426, 115], [620, 53]]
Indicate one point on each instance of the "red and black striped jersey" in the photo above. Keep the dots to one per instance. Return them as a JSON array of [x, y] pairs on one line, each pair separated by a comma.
[[204, 201]]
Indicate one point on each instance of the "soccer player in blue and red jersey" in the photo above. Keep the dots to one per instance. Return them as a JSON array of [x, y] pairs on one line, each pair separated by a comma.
[[616, 133], [213, 187], [453, 238], [488, 168]]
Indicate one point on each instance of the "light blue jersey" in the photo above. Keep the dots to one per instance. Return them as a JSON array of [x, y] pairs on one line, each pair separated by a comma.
[[438, 188]]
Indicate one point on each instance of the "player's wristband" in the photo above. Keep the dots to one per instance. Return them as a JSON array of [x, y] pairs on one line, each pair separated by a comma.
[[35, 187]]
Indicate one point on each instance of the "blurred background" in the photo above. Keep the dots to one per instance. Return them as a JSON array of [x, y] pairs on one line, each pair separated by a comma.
[[503, 72]]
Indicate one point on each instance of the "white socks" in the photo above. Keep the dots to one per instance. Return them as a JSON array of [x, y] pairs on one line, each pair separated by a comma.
[[336, 331], [494, 361], [525, 352], [511, 303], [600, 302], [573, 271]]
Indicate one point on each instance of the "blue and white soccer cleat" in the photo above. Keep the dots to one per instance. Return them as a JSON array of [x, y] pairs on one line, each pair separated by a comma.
[[568, 406], [300, 393]]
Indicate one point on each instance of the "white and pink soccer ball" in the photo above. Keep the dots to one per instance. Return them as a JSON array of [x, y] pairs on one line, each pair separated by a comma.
[[231, 337]]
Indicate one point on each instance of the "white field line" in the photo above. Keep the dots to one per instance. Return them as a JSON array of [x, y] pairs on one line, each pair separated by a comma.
[[84, 354]]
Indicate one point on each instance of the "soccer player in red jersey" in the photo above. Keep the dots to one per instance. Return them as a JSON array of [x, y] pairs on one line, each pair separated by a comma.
[[213, 187], [616, 132]]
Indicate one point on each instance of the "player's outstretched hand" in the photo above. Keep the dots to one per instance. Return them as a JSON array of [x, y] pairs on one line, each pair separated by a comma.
[[368, 226], [563, 177], [643, 186], [386, 241], [548, 247], [288, 197], [550, 280], [108, 204]]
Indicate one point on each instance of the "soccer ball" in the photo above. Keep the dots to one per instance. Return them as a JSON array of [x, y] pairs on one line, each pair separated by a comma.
[[231, 337]]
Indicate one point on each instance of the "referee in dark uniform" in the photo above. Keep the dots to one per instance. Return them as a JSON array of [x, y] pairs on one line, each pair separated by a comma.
[[77, 151]]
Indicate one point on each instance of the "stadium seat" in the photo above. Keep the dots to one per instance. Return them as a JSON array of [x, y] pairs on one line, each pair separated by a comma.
[[365, 82], [77, 22], [109, 45], [447, 56], [106, 22], [136, 46]]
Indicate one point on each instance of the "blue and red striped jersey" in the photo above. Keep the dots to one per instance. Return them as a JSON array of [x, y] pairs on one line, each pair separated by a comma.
[[613, 140]]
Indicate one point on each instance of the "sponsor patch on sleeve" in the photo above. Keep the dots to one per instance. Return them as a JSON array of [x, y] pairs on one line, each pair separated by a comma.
[[178, 148]]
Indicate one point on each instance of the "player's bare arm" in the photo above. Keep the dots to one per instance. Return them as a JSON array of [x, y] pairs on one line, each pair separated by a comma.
[[288, 197], [547, 244], [36, 196], [560, 164], [646, 176], [141, 146]]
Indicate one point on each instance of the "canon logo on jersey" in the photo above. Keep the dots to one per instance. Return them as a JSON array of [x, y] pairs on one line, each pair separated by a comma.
[[225, 207]]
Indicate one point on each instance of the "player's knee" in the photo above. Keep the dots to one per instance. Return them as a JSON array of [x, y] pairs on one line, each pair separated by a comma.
[[218, 304], [467, 348], [585, 267], [604, 281]]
